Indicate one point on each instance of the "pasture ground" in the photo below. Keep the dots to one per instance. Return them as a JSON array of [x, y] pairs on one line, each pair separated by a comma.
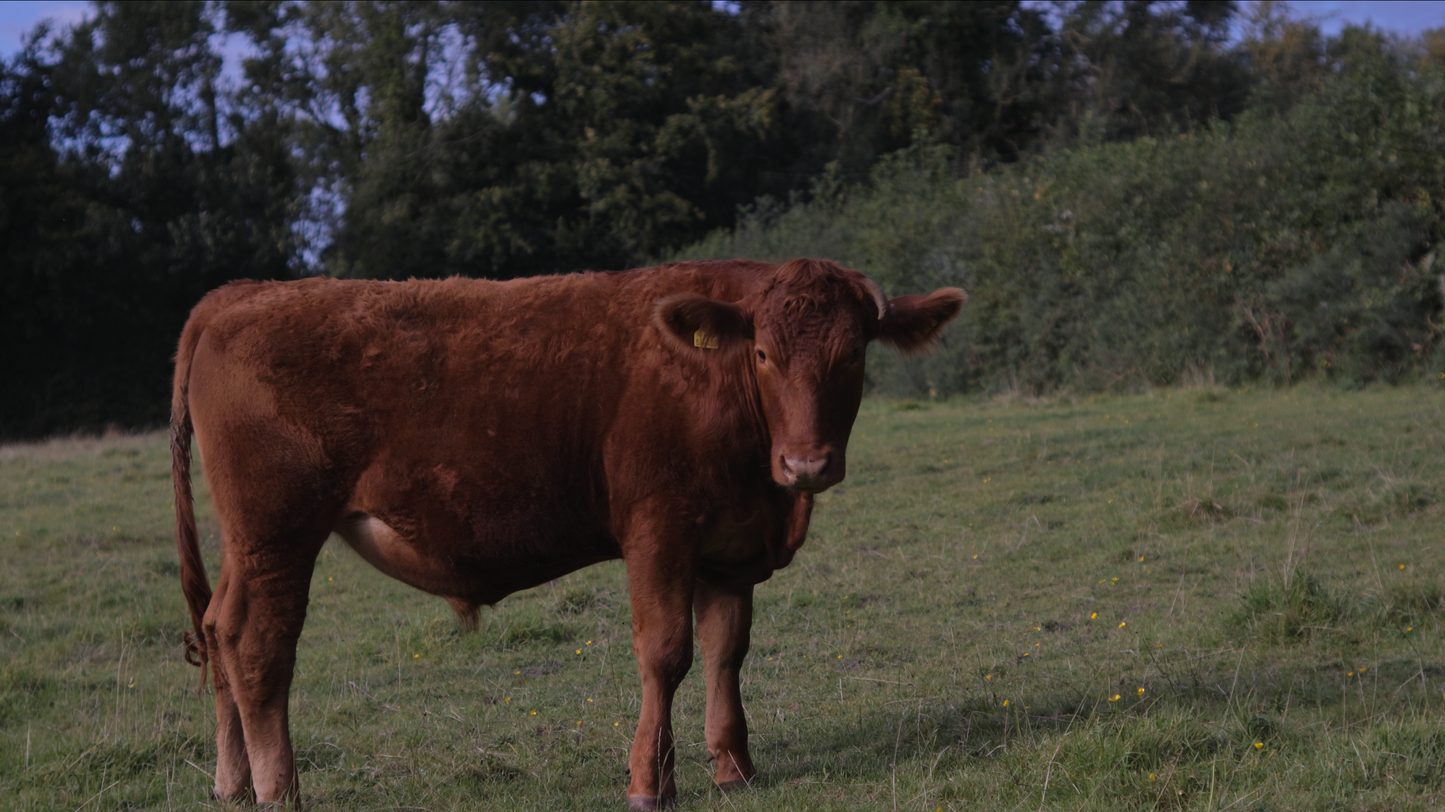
[[1187, 599]]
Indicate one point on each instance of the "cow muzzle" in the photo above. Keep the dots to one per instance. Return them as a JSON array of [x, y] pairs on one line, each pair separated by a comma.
[[811, 470]]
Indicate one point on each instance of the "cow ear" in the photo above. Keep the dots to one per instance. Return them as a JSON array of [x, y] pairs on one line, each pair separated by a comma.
[[913, 322], [699, 324]]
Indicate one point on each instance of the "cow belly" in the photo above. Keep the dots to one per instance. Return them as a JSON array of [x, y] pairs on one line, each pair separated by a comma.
[[473, 574]]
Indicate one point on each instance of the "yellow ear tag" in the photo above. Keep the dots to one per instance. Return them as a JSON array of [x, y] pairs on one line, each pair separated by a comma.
[[703, 340]]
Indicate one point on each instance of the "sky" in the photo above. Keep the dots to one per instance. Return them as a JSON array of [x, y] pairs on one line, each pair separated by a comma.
[[17, 17], [1399, 16]]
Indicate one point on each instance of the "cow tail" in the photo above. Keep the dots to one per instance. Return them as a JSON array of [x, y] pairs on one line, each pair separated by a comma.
[[194, 582]]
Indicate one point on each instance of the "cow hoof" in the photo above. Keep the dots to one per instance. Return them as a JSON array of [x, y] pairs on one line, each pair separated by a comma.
[[234, 800], [648, 802], [735, 785]]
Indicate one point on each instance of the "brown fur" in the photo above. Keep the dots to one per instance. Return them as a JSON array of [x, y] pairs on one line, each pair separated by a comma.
[[475, 438]]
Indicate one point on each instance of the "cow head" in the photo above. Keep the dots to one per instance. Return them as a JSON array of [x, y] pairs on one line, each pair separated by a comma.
[[803, 335]]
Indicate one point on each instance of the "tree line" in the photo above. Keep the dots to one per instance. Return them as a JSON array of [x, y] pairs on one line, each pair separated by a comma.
[[503, 139]]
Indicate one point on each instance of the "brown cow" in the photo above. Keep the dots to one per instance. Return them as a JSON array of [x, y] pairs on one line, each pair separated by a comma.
[[473, 438]]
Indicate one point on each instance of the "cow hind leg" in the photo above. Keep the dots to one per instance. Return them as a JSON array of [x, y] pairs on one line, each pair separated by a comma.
[[233, 766], [255, 629]]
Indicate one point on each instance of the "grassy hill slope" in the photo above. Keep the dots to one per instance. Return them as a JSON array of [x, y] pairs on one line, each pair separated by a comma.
[[1185, 599]]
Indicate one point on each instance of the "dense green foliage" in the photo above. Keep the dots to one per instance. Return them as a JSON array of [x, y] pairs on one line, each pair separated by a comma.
[[106, 243], [1270, 248], [392, 139], [1190, 599]]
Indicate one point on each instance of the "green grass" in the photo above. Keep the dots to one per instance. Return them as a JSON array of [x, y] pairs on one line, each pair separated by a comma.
[[1186, 599]]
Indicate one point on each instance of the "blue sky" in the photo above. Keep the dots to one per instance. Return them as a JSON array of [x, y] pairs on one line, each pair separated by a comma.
[[20, 16], [1400, 16]]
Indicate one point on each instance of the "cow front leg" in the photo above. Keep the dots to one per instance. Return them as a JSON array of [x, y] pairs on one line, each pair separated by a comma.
[[662, 639], [724, 620]]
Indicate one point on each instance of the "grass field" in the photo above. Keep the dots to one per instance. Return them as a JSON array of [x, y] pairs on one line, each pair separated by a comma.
[[1186, 599]]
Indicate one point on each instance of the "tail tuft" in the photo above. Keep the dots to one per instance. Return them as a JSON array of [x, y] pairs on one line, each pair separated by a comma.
[[195, 653]]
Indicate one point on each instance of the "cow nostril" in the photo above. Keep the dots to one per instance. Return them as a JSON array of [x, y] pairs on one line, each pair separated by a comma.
[[807, 467]]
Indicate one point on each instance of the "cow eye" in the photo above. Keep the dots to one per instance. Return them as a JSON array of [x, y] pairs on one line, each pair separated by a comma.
[[762, 356]]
